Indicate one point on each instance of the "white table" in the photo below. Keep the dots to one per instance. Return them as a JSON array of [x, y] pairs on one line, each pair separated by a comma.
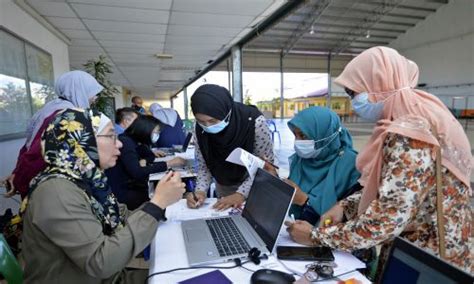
[[168, 252]]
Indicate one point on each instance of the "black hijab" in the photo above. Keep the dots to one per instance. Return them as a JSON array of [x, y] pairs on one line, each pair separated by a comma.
[[216, 101]]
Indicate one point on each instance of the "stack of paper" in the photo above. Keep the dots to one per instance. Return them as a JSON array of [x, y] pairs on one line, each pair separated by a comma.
[[180, 211]]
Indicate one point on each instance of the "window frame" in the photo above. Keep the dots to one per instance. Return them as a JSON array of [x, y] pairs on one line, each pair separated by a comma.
[[23, 134]]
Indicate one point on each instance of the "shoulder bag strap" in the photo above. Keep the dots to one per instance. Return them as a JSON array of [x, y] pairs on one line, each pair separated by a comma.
[[439, 201]]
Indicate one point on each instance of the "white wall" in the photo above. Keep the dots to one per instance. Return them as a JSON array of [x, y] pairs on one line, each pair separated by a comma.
[[119, 103], [443, 47], [15, 20]]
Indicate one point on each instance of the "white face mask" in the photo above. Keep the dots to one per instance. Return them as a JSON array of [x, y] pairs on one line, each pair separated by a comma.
[[306, 148], [365, 109], [154, 137]]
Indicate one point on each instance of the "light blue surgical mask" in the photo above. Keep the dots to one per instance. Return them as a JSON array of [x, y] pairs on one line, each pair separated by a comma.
[[218, 127], [306, 149], [154, 137], [365, 109]]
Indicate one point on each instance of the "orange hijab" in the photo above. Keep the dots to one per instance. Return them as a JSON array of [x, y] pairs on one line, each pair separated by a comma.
[[389, 77]]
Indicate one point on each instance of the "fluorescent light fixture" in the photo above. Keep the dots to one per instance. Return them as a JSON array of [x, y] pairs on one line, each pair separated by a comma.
[[164, 56]]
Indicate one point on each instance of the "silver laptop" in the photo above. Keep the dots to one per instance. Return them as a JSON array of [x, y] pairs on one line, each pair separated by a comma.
[[225, 238], [171, 151]]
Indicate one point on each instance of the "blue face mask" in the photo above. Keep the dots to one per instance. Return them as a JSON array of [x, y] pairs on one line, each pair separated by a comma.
[[306, 148], [365, 109], [218, 127]]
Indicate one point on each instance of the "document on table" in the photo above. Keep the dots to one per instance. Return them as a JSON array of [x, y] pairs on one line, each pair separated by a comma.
[[183, 172], [188, 155], [241, 157], [180, 211]]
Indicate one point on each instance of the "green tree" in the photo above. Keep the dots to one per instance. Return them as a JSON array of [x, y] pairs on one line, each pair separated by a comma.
[[247, 98], [101, 70]]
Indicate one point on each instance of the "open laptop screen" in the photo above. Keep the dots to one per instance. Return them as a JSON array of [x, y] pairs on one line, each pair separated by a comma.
[[187, 141], [267, 205], [410, 264]]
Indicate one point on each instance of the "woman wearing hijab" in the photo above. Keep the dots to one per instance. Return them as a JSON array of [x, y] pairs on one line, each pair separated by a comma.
[[322, 170], [398, 167], [74, 229], [129, 178], [223, 125], [74, 89], [172, 126]]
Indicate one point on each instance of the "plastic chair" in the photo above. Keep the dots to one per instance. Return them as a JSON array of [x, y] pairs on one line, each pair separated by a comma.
[[9, 267], [273, 129]]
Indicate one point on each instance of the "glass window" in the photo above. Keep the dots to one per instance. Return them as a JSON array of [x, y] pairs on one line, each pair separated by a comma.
[[15, 106], [40, 73], [26, 83]]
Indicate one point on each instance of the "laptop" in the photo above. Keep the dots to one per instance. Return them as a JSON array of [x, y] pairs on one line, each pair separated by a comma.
[[184, 148], [226, 238], [409, 264]]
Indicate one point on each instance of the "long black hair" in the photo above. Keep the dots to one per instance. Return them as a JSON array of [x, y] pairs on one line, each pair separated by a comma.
[[140, 130]]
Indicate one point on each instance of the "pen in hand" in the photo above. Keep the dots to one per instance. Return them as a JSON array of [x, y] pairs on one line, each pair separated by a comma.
[[192, 189]]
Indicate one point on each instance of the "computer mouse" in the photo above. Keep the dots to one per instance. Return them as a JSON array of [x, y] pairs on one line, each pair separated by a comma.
[[271, 276]]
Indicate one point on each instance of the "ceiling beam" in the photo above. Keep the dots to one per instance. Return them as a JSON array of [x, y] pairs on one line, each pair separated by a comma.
[[316, 31], [405, 7], [364, 11], [356, 20], [338, 25], [362, 28], [313, 37], [383, 1], [316, 11]]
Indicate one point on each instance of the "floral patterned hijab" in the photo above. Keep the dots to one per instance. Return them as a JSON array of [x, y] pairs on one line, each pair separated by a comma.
[[70, 151]]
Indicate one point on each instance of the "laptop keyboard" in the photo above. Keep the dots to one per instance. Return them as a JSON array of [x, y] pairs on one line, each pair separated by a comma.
[[227, 237]]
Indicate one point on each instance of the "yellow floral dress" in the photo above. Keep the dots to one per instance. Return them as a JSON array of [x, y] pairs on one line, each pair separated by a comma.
[[406, 207]]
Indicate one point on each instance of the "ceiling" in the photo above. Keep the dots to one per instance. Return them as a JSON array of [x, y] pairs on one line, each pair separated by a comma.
[[199, 33], [343, 26], [131, 32]]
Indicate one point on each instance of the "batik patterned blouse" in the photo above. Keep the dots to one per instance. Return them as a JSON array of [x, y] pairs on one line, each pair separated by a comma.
[[406, 207]]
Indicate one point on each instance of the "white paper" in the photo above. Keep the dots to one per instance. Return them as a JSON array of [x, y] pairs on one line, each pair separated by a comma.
[[241, 157], [180, 211], [183, 172], [188, 156]]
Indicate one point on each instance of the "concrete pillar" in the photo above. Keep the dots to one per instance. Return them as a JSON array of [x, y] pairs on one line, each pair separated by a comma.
[[237, 74]]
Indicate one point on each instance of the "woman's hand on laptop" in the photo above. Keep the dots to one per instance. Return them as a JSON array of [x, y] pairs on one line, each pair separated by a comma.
[[176, 162], [159, 153], [196, 199], [234, 200]]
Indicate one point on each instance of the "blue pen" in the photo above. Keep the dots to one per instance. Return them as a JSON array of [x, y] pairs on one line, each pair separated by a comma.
[[191, 188]]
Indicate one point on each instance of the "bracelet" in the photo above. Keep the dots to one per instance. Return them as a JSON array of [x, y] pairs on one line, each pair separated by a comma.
[[313, 234]]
